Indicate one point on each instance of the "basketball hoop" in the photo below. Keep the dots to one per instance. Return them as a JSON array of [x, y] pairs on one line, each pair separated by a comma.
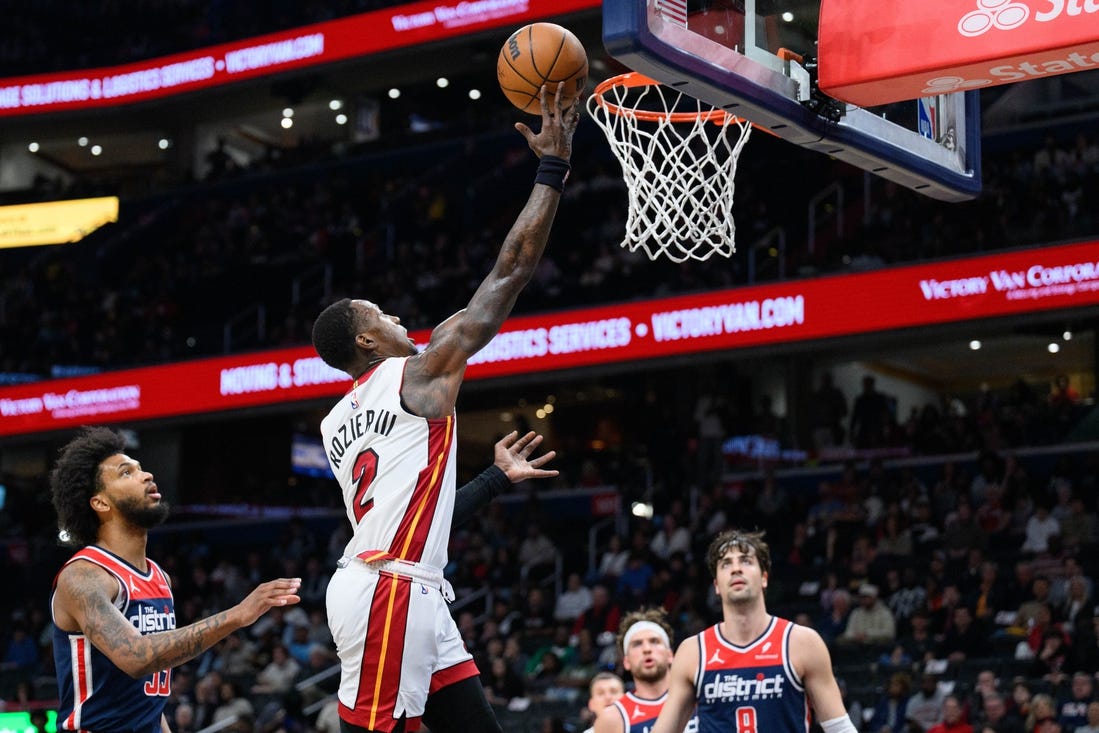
[[678, 158]]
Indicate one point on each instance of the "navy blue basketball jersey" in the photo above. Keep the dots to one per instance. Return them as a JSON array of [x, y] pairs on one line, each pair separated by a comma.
[[749, 689], [95, 695]]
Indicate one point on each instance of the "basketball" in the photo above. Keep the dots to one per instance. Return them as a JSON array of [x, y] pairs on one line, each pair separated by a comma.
[[537, 54]]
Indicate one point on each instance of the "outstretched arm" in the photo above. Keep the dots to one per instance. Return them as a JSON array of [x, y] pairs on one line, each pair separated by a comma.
[[85, 593], [512, 465], [435, 375]]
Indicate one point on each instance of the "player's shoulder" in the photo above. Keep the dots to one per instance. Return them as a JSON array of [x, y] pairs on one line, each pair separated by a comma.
[[81, 575], [804, 634]]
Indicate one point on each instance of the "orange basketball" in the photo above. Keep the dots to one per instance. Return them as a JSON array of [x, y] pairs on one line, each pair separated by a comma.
[[537, 54]]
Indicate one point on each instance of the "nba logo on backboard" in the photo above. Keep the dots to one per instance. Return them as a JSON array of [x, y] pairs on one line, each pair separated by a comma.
[[925, 114]]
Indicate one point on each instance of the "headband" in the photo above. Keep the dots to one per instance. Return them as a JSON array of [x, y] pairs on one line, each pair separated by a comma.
[[645, 626]]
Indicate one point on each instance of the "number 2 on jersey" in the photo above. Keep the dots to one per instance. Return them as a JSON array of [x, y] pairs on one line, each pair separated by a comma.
[[363, 474], [746, 720]]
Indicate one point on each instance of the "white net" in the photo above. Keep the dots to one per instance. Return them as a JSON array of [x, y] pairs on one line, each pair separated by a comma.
[[678, 158]]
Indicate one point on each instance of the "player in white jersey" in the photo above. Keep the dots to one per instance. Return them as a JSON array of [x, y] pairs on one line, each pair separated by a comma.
[[390, 442]]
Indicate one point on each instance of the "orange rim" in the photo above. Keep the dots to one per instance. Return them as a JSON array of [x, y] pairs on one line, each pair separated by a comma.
[[633, 79]]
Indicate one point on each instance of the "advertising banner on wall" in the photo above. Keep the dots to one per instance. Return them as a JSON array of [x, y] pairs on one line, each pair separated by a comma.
[[1051, 278], [405, 25]]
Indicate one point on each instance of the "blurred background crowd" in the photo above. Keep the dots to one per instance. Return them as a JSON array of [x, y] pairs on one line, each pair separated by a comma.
[[946, 553]]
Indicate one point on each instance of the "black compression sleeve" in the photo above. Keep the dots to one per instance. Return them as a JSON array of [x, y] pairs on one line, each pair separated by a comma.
[[476, 495]]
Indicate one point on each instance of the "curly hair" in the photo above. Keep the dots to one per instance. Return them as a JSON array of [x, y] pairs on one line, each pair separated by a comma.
[[656, 615], [334, 335], [76, 478], [735, 538]]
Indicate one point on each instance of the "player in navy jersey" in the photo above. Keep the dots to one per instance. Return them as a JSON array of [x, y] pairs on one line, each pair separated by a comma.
[[645, 640], [752, 671], [115, 639]]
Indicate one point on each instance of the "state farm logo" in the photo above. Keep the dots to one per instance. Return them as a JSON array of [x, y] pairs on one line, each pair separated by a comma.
[[1007, 15], [1002, 14], [948, 84]]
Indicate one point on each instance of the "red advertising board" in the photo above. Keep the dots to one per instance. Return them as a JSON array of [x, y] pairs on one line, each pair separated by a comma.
[[873, 53], [322, 43], [1035, 280]]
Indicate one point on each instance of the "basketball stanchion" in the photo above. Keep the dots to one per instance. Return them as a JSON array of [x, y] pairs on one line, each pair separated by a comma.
[[679, 158]]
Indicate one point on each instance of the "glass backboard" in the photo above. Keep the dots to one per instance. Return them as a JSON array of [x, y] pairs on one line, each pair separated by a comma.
[[757, 59]]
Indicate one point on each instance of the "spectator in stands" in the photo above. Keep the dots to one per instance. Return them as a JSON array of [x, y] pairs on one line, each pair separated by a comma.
[[890, 712], [537, 613], [1078, 600], [183, 720], [1081, 527], [232, 706], [21, 652], [985, 685], [995, 715], [1086, 642], [1039, 528], [279, 674], [502, 684], [536, 550], [601, 619], [207, 699], [633, 583], [670, 538], [827, 410], [964, 639], [612, 562], [1092, 725], [1072, 710], [834, 623], [1035, 604], [1018, 588], [952, 721], [298, 644], [1052, 659], [925, 707], [870, 416], [573, 601], [314, 583], [1042, 716], [961, 532], [894, 539], [709, 416], [986, 598], [1018, 705], [871, 622]]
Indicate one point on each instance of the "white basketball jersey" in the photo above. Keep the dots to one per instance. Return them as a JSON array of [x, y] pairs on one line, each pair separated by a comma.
[[396, 470]]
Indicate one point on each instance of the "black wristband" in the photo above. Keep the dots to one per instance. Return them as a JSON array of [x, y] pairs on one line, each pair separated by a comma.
[[477, 494], [552, 172]]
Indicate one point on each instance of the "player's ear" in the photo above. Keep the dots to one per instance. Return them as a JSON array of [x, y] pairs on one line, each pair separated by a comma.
[[364, 341], [99, 503]]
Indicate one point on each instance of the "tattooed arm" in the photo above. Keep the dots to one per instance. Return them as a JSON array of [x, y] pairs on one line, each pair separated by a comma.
[[84, 599]]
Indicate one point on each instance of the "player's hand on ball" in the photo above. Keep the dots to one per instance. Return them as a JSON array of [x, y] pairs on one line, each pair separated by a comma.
[[558, 126]]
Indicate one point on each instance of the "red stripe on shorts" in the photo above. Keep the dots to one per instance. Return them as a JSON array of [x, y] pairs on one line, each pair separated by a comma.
[[450, 675], [380, 673]]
